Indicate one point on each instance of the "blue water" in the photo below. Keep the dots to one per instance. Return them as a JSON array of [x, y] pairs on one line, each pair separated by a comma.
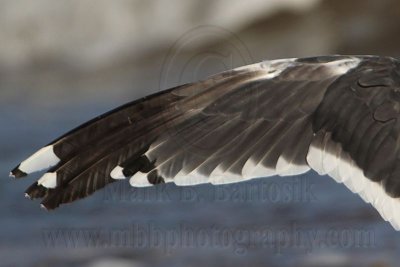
[[304, 221]]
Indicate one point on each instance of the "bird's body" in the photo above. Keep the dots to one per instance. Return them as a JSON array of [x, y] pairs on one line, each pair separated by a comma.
[[338, 115]]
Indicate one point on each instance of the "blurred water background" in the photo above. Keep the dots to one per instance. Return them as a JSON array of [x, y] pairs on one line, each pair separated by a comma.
[[63, 62]]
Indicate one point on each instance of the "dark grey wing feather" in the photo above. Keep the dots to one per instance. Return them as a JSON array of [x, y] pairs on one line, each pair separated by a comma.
[[273, 118], [360, 114]]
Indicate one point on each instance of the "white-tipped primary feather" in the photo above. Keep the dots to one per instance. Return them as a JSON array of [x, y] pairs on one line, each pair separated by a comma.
[[117, 173], [42, 159], [139, 180], [48, 180], [192, 178]]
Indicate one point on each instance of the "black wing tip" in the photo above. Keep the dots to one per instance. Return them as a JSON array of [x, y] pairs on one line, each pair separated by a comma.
[[36, 191], [17, 173], [50, 203]]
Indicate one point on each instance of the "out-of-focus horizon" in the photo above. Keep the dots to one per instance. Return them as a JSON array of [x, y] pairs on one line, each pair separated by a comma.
[[107, 47], [63, 62]]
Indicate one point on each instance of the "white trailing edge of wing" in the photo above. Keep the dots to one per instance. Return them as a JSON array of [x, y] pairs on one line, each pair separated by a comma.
[[344, 170]]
